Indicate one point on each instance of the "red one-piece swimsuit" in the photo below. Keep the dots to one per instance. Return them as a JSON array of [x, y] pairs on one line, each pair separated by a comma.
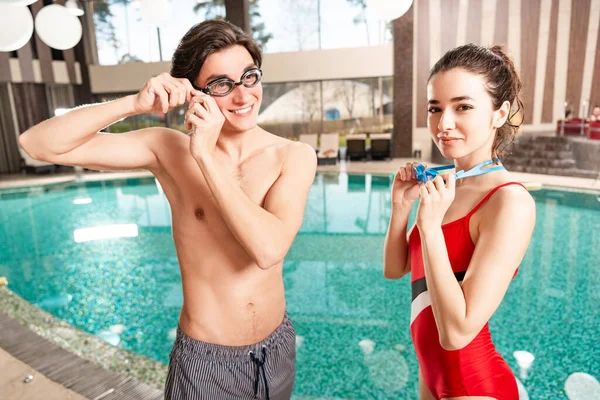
[[477, 369]]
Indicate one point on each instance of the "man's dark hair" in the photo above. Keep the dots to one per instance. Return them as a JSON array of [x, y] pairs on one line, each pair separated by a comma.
[[206, 38]]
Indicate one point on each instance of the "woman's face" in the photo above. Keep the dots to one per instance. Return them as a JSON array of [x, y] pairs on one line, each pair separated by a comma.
[[461, 117]]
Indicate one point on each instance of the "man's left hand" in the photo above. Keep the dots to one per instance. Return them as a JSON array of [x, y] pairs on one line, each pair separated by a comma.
[[206, 120]]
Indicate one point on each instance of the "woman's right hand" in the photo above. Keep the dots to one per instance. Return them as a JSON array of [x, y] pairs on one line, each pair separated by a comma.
[[163, 93], [405, 190]]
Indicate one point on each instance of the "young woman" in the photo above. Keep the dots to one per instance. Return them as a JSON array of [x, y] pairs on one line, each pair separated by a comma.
[[470, 235]]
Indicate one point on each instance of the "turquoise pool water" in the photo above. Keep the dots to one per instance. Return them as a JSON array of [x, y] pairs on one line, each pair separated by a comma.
[[352, 324]]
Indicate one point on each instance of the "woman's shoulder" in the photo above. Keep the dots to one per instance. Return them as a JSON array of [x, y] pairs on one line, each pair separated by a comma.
[[513, 191], [510, 200]]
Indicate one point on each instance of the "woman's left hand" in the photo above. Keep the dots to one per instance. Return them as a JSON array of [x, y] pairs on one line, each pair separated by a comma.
[[206, 119], [436, 197]]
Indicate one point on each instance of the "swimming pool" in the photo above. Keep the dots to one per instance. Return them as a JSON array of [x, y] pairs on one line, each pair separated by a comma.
[[353, 339]]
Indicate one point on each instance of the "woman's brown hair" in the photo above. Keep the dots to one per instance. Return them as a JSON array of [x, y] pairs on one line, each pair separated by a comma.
[[502, 84]]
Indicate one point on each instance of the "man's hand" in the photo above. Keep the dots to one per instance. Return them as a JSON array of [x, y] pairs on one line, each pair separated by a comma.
[[163, 93], [206, 120]]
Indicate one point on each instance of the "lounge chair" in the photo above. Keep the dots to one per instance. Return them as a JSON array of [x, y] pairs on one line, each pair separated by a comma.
[[594, 130], [571, 127], [356, 146], [329, 149], [310, 139], [381, 144]]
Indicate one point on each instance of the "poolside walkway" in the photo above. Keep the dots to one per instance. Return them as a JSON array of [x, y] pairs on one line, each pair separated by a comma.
[[12, 385], [357, 167], [54, 369]]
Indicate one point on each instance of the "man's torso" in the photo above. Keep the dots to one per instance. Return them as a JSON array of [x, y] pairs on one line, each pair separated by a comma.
[[228, 299]]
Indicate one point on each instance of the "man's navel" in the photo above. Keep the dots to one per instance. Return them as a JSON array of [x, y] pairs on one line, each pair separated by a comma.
[[199, 213]]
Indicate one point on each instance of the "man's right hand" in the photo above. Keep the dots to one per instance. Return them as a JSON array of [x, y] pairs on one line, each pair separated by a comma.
[[163, 93], [405, 190]]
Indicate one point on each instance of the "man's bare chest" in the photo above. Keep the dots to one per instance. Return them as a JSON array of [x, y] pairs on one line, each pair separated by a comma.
[[190, 192]]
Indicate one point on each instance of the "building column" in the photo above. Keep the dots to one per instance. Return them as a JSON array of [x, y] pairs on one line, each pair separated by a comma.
[[403, 84], [238, 13]]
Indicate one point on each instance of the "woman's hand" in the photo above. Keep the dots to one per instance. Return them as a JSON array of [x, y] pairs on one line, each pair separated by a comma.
[[436, 197], [405, 189]]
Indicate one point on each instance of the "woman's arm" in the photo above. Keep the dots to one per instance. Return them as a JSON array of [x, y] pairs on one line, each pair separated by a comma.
[[405, 191], [505, 230], [396, 257]]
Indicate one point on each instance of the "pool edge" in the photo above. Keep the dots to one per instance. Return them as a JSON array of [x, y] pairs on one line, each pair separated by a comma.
[[80, 343]]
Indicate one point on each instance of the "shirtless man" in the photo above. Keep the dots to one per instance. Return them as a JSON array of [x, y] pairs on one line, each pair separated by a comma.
[[237, 195]]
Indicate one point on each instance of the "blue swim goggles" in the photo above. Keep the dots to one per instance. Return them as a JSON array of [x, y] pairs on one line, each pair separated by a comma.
[[424, 174]]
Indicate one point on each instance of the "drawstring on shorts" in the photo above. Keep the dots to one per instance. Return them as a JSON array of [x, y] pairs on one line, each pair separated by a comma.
[[260, 365]]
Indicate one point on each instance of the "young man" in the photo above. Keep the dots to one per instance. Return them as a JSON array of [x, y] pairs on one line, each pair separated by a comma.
[[237, 196]]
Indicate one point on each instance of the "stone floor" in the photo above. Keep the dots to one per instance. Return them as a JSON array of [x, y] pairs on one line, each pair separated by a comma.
[[48, 346], [12, 383]]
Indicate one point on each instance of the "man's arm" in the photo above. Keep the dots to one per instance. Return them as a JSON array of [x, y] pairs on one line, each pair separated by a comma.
[[74, 138], [266, 233]]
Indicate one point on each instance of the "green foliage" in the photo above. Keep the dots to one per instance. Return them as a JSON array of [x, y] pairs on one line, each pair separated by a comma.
[[128, 58], [103, 21], [362, 4]]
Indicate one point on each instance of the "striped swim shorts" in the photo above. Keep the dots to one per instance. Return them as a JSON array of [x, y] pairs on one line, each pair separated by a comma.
[[265, 370]]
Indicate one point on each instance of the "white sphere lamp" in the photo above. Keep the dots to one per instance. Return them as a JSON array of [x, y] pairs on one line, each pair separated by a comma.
[[16, 27], [155, 12], [388, 10], [58, 27]]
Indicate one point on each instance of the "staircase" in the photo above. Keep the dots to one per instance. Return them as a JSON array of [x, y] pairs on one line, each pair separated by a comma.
[[550, 155]]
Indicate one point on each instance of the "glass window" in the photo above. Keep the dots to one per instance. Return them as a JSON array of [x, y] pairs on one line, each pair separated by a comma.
[[290, 109], [136, 121], [300, 25], [294, 24], [123, 36], [344, 106], [278, 25]]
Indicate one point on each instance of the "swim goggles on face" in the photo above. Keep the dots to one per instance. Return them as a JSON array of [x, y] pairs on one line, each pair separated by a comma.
[[223, 86]]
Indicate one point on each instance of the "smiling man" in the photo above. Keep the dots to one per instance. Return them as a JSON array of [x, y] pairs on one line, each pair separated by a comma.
[[237, 195]]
